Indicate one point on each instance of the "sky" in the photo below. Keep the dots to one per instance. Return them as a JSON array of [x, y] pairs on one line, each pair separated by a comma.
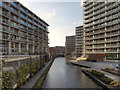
[[62, 17]]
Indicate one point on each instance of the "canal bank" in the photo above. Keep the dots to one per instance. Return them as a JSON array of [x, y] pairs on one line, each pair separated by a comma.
[[63, 74], [40, 81], [32, 81], [100, 81]]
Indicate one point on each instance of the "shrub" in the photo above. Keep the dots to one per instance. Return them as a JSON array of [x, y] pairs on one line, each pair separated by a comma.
[[109, 69], [98, 74], [106, 79], [7, 81], [22, 72]]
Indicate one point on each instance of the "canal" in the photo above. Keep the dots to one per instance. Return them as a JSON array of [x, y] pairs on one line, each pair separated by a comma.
[[65, 75]]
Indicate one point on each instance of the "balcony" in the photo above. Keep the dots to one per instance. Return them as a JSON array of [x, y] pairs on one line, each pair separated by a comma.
[[111, 46], [99, 31], [14, 4], [5, 6], [90, 38], [30, 37], [99, 6], [14, 19], [23, 41], [112, 34], [113, 11], [15, 40], [112, 6], [5, 14], [91, 5], [5, 22], [6, 38], [5, 30], [111, 29], [111, 51], [97, 47], [112, 40], [88, 47], [29, 31], [87, 12], [100, 41], [101, 36], [114, 17], [30, 42]]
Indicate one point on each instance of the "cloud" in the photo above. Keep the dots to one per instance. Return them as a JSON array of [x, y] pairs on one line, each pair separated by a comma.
[[51, 14]]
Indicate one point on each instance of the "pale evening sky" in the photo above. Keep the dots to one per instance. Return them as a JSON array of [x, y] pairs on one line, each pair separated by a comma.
[[62, 17]]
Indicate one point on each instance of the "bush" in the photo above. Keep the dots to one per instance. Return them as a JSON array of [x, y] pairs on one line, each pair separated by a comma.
[[7, 81], [102, 77], [106, 79], [109, 69], [98, 74], [22, 72]]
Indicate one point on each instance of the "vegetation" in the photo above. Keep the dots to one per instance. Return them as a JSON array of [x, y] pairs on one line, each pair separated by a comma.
[[39, 82], [102, 77], [7, 79], [106, 79], [110, 69], [21, 74], [98, 74]]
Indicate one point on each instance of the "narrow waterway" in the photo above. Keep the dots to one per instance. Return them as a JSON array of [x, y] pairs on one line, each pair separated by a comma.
[[65, 75]]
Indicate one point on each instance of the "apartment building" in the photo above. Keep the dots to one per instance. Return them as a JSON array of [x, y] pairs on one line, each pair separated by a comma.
[[102, 30], [69, 45], [21, 31], [79, 41]]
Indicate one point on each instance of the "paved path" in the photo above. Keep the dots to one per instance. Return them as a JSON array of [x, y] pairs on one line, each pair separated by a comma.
[[100, 65], [34, 79], [20, 58]]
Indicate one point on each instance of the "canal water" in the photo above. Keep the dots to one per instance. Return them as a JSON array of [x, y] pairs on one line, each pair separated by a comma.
[[65, 75]]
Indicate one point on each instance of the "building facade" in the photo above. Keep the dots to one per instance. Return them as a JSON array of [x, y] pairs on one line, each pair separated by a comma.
[[21, 31], [69, 45], [102, 30], [57, 51], [79, 41]]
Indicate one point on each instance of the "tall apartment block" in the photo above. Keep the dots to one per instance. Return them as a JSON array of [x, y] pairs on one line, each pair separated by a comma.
[[79, 41], [69, 45], [21, 31], [102, 30]]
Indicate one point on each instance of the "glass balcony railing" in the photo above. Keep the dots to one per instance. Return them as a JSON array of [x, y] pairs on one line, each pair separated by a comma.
[[5, 22], [5, 30], [14, 4], [5, 6], [112, 5], [112, 11]]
